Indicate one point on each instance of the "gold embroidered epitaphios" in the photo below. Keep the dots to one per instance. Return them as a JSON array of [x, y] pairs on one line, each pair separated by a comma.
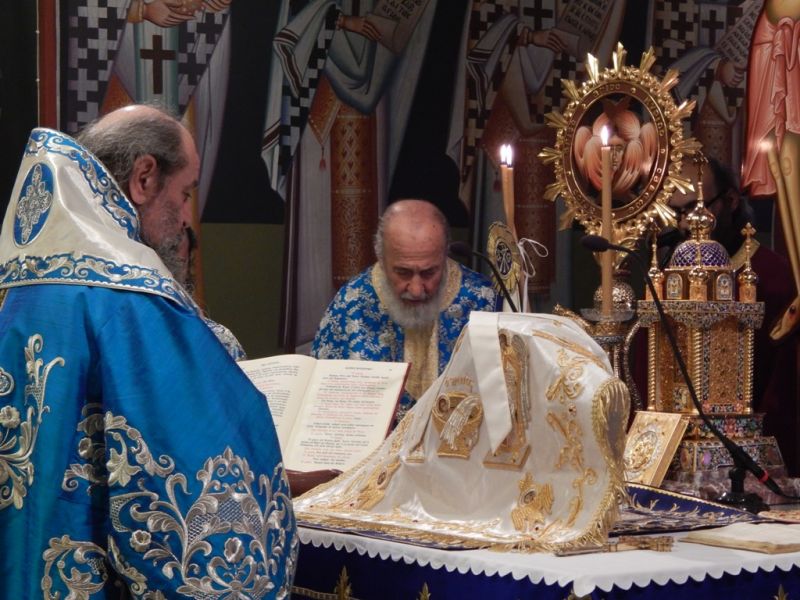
[[176, 528], [459, 502], [19, 432]]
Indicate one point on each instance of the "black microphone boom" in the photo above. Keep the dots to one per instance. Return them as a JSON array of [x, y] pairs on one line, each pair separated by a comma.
[[463, 250], [741, 459], [597, 243]]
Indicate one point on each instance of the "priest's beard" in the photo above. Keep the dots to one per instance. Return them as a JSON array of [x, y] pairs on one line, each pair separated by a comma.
[[414, 316], [179, 263], [176, 253]]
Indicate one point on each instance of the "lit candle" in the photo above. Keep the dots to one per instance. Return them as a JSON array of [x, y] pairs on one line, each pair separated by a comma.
[[607, 264], [507, 178]]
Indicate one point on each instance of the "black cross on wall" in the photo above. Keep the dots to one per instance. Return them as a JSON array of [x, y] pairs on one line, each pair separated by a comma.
[[537, 14], [713, 24], [158, 55]]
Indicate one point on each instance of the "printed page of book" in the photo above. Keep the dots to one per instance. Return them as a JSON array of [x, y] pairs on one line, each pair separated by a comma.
[[347, 413], [283, 380]]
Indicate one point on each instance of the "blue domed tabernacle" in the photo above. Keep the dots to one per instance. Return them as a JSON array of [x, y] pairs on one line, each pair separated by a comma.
[[712, 254]]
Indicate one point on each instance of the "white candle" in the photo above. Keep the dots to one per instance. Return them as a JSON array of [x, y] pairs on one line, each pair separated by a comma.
[[507, 178], [607, 264]]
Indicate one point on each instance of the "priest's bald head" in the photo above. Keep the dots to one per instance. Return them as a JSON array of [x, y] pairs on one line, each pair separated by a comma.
[[411, 246], [153, 158]]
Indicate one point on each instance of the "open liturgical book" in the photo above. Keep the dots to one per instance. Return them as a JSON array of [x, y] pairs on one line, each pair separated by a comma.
[[329, 414]]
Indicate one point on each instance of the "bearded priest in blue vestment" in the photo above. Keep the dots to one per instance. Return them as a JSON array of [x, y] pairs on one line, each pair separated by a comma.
[[411, 305], [136, 458]]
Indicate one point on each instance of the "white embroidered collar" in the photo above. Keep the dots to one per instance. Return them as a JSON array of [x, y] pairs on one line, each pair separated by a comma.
[[69, 222]]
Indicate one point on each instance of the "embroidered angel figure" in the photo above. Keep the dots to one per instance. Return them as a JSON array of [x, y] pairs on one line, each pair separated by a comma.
[[458, 419], [633, 149]]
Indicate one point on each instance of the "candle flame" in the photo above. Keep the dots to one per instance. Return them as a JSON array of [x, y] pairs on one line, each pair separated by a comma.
[[505, 154], [765, 145], [604, 135]]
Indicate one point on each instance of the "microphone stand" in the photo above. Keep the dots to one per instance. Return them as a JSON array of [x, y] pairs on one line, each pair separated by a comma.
[[742, 462], [463, 250]]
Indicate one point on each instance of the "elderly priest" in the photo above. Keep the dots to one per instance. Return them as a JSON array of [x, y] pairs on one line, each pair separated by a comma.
[[410, 305], [136, 458]]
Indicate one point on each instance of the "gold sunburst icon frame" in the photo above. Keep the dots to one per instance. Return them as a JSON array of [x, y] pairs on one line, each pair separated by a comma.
[[650, 204]]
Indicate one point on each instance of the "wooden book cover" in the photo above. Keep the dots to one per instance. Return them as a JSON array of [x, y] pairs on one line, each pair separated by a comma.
[[650, 445], [769, 538]]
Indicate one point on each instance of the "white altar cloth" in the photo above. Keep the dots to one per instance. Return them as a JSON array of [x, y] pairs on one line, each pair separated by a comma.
[[583, 573]]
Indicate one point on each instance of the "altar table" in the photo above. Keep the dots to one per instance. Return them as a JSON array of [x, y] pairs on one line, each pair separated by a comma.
[[340, 566]]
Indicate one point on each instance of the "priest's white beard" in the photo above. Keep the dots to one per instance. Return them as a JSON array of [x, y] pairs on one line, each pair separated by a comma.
[[415, 316]]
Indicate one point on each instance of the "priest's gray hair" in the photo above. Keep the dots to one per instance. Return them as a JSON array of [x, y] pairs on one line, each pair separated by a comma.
[[119, 144], [390, 214]]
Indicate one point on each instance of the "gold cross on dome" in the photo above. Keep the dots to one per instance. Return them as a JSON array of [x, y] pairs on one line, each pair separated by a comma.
[[748, 232]]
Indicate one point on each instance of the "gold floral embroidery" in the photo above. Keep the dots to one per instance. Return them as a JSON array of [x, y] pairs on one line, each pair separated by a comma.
[[567, 385], [573, 347], [81, 567], [6, 387], [566, 388], [18, 433], [118, 469], [227, 539]]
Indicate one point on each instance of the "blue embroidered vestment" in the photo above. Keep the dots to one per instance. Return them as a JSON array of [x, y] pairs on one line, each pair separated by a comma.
[[136, 458]]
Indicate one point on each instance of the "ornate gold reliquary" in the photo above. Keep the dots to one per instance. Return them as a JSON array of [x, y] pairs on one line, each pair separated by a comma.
[[714, 314]]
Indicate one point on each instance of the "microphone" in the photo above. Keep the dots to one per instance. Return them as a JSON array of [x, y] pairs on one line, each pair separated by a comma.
[[463, 250], [596, 243], [741, 460]]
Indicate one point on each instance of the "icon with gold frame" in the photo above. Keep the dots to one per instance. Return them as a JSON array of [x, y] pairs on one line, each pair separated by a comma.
[[647, 145]]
